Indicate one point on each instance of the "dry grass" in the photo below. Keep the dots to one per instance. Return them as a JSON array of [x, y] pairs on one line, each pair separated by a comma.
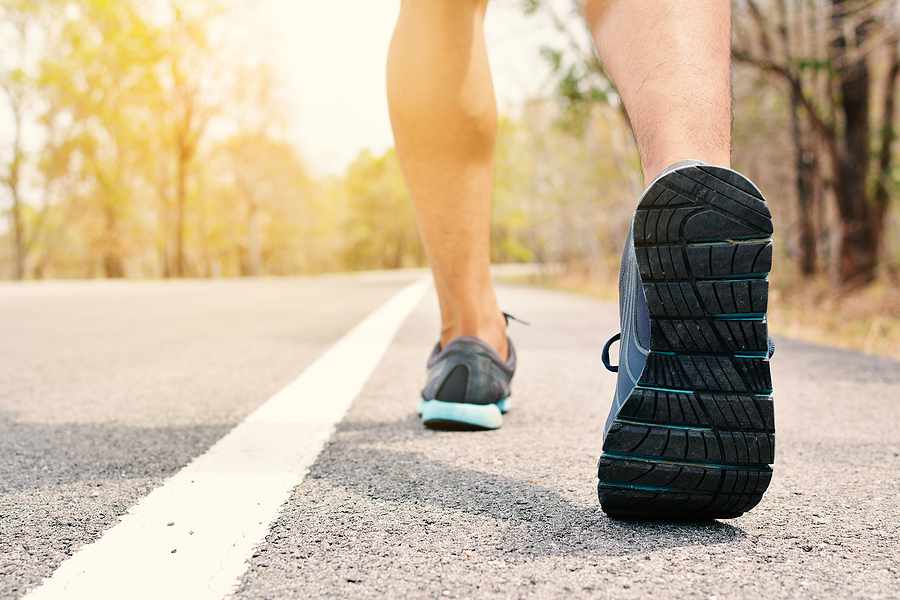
[[867, 320]]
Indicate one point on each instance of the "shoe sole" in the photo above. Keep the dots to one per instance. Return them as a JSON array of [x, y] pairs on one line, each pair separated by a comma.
[[696, 437], [459, 416]]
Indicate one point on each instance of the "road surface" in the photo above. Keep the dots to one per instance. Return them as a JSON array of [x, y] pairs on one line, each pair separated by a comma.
[[108, 390]]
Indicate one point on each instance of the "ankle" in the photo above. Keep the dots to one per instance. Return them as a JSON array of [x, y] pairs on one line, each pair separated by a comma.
[[490, 328], [654, 166]]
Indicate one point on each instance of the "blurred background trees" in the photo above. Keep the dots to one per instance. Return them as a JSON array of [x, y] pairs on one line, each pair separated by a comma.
[[136, 151], [134, 147], [815, 98], [839, 63]]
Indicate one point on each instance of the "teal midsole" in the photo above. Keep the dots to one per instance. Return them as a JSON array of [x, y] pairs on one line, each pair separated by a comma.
[[504, 405], [487, 416]]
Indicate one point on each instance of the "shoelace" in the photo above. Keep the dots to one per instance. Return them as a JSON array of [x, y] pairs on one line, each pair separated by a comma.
[[605, 356], [508, 317], [615, 368]]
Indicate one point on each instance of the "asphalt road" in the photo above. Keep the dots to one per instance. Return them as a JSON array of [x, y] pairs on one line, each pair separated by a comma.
[[107, 389]]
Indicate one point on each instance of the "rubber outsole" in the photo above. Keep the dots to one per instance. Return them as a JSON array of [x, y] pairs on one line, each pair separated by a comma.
[[696, 437], [459, 416]]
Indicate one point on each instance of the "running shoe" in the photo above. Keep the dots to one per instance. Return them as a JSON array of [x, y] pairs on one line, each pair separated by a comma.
[[691, 432], [468, 385]]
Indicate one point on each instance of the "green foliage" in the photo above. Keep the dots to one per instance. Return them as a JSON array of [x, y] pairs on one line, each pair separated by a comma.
[[813, 64], [150, 144], [579, 77], [561, 197], [812, 86], [157, 160], [262, 187], [530, 7], [380, 226]]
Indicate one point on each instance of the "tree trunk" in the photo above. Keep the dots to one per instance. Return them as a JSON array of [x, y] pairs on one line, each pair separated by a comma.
[[858, 262], [18, 237], [113, 265], [164, 261], [253, 261], [180, 201], [806, 172], [885, 153], [858, 246], [807, 206], [162, 222], [12, 182], [113, 268]]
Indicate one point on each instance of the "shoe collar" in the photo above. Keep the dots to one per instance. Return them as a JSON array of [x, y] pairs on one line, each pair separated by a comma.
[[463, 341]]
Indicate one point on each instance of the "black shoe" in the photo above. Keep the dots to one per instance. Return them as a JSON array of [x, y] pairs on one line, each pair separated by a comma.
[[691, 431], [468, 385]]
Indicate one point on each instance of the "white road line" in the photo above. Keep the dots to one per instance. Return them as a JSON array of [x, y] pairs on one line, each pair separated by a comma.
[[191, 537]]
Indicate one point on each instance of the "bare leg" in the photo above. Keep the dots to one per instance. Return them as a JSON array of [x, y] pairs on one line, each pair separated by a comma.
[[444, 118], [671, 62]]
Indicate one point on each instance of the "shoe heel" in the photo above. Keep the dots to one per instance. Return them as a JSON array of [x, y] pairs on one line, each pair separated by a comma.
[[437, 414], [696, 437]]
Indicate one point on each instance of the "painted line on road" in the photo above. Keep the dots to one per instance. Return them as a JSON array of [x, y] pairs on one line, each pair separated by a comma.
[[191, 537]]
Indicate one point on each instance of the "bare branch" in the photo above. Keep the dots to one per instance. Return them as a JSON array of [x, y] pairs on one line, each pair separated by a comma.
[[888, 131], [765, 41], [823, 127]]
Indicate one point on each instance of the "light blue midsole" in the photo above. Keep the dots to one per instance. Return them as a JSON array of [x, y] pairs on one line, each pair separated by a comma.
[[488, 416]]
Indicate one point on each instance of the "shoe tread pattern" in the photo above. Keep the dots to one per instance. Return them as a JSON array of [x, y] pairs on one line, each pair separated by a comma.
[[696, 438]]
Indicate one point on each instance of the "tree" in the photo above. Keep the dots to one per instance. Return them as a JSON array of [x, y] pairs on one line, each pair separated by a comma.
[[794, 32], [829, 78], [186, 112], [99, 78], [18, 86], [380, 226], [13, 85], [264, 190], [548, 205], [825, 52]]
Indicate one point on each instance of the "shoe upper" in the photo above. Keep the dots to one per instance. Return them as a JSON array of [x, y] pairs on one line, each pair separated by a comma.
[[634, 338], [470, 371], [634, 318]]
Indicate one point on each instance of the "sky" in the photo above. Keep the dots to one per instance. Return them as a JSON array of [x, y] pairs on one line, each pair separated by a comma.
[[330, 58]]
